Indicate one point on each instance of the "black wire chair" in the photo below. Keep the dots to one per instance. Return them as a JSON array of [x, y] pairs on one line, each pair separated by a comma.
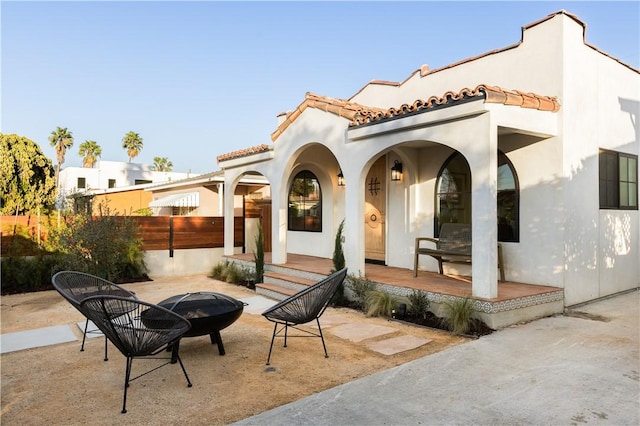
[[142, 331], [77, 286], [304, 307]]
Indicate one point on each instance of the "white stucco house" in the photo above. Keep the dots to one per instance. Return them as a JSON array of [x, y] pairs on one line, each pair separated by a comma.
[[535, 145], [112, 174]]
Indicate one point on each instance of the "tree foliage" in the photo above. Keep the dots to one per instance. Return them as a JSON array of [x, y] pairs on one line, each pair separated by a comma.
[[89, 151], [132, 142], [26, 176], [162, 164], [62, 140]]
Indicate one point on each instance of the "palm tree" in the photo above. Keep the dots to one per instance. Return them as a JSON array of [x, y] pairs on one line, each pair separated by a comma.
[[89, 151], [132, 142], [62, 140], [162, 164]]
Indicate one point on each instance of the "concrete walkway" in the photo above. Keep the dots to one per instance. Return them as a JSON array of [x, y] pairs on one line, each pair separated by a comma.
[[583, 368]]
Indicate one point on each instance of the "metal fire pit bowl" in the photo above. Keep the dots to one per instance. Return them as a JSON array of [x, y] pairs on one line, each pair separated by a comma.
[[207, 312]]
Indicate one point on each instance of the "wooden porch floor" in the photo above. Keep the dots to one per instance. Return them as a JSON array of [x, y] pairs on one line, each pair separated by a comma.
[[400, 277]]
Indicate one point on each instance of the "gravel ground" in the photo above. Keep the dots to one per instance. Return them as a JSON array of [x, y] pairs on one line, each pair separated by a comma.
[[60, 385]]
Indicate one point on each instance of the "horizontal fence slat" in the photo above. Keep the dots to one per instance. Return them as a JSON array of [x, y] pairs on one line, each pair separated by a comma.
[[189, 232]]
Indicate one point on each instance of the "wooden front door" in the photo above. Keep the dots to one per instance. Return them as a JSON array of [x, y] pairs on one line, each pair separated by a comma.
[[374, 212]]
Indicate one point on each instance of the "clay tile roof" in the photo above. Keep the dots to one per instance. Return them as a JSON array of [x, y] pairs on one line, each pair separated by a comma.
[[491, 94], [339, 107], [244, 152]]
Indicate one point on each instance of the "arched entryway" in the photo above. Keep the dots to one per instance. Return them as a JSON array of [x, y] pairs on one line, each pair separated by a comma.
[[375, 209]]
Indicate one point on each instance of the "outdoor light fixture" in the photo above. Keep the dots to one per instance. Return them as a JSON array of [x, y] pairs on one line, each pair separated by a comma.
[[396, 171], [340, 178]]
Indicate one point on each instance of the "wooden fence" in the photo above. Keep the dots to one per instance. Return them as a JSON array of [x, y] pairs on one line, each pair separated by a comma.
[[21, 235]]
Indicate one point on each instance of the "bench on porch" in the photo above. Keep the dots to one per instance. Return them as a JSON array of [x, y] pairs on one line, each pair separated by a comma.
[[453, 246]]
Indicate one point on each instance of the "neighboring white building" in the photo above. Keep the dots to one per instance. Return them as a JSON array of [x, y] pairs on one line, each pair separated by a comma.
[[536, 145], [112, 174]]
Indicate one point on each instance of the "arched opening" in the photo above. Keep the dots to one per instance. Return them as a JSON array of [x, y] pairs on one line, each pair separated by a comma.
[[305, 203], [453, 196]]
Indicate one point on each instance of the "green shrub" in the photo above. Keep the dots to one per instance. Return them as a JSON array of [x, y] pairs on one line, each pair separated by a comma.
[[106, 245], [360, 286], [217, 271], [380, 304], [258, 256], [230, 272], [458, 315], [235, 274], [338, 298], [418, 303], [338, 253], [21, 274]]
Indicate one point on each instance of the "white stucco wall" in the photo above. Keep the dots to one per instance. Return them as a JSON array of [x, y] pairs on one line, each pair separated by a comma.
[[565, 239], [124, 174]]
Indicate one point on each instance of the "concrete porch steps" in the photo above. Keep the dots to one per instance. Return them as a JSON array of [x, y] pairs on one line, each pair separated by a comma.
[[281, 281], [279, 286]]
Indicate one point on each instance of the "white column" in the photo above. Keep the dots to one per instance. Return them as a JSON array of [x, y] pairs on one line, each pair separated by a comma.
[[483, 162], [354, 222], [228, 219], [279, 223], [221, 199]]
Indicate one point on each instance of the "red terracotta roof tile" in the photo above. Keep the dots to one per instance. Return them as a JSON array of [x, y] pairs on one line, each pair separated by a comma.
[[244, 152], [339, 107], [491, 94]]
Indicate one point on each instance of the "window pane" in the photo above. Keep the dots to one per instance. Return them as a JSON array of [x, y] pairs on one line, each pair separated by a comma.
[[305, 203], [612, 167], [624, 169], [633, 170], [633, 195], [624, 194], [454, 193]]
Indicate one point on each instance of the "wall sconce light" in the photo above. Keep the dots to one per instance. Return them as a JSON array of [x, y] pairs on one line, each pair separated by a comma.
[[340, 178], [396, 171]]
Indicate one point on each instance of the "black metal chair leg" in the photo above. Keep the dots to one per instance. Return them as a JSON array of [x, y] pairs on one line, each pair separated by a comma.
[[326, 355], [106, 358], [126, 384], [84, 336], [184, 371], [286, 328], [275, 328]]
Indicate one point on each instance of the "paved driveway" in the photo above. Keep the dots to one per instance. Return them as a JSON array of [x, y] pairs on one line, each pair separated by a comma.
[[581, 368]]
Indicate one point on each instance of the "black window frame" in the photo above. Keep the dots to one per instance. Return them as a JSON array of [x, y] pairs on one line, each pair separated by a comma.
[[309, 222], [509, 230], [82, 180], [611, 183]]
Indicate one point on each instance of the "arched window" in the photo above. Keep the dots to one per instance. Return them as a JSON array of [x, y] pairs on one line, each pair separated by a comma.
[[508, 201], [453, 196], [453, 192], [305, 203]]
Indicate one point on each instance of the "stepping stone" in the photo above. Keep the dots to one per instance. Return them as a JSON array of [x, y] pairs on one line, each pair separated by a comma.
[[331, 320], [35, 338], [257, 304], [357, 332], [397, 344]]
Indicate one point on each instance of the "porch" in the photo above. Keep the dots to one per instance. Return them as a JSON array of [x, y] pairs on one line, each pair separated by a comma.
[[516, 302]]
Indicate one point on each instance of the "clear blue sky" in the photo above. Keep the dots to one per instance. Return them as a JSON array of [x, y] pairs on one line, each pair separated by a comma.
[[200, 79]]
